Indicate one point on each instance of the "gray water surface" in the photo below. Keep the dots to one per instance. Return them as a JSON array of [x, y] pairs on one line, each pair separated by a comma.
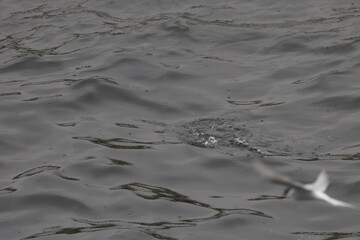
[[138, 119]]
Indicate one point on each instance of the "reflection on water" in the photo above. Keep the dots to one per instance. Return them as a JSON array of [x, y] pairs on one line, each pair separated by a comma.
[[330, 235], [264, 197], [143, 94], [106, 225], [132, 144], [112, 143], [7, 190], [148, 192], [119, 162], [153, 192], [36, 170]]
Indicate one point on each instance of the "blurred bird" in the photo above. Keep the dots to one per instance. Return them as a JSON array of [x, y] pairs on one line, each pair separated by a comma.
[[299, 191]]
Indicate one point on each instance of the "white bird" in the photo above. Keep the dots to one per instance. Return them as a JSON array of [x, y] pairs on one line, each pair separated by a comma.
[[312, 191]]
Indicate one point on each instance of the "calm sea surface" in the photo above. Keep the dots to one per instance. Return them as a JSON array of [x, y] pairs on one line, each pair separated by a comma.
[[138, 119]]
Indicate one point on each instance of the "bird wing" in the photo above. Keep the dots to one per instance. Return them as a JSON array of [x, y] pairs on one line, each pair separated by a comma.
[[274, 177], [321, 183], [334, 202]]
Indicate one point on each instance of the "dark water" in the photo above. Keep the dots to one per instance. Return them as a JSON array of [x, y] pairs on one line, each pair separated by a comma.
[[136, 119]]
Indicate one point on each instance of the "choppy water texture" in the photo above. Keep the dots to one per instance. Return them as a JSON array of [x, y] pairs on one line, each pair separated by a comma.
[[138, 119]]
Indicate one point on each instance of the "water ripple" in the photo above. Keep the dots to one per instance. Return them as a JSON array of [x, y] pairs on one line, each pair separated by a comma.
[[36, 170], [131, 144], [330, 235]]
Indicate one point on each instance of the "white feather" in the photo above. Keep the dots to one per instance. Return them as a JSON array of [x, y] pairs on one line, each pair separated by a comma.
[[312, 191]]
